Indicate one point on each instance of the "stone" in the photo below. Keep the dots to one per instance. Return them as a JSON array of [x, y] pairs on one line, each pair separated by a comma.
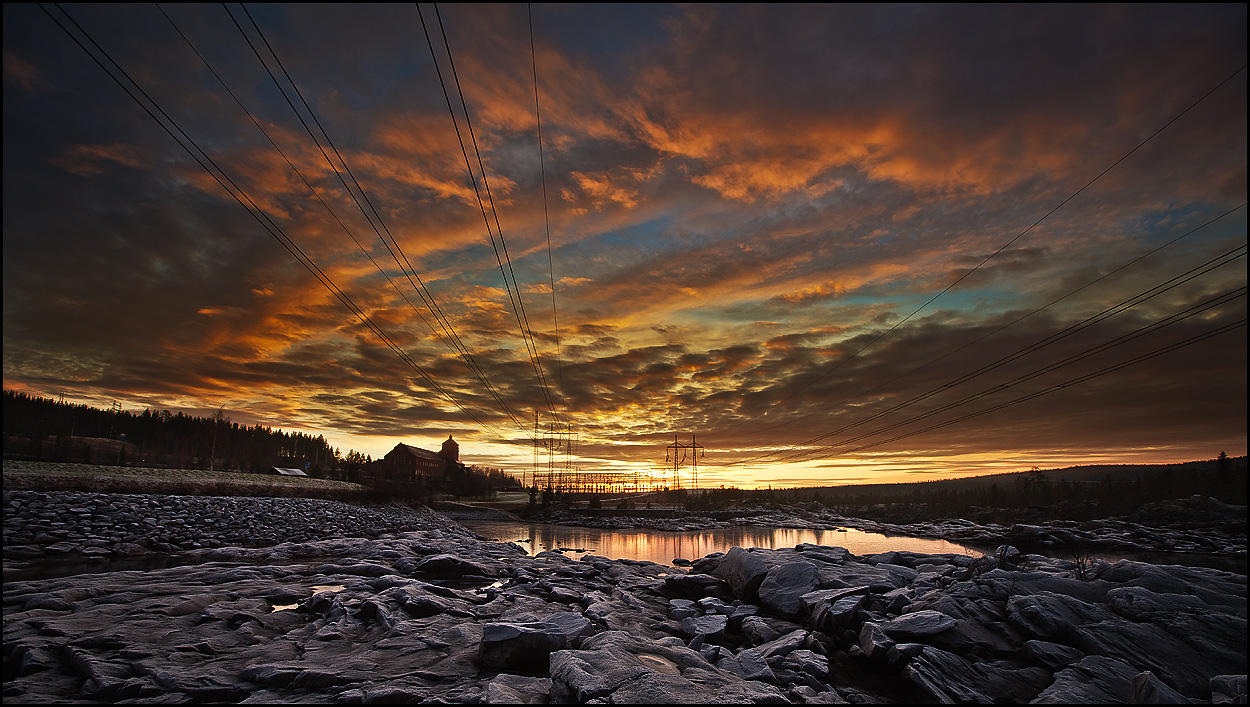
[[1096, 679], [1052, 655], [806, 661], [572, 624], [743, 571], [711, 627], [696, 586], [1055, 617], [918, 624], [1146, 689], [516, 690], [1141, 604], [1228, 689], [449, 566], [750, 665], [519, 646], [784, 586], [682, 609], [873, 641], [948, 678], [757, 631], [783, 645]]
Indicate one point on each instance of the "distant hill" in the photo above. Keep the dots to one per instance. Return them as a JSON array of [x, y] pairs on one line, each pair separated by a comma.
[[1074, 493], [1082, 474]]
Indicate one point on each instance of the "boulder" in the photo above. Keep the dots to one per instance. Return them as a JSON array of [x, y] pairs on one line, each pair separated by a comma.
[[743, 571], [711, 627], [918, 624], [873, 641], [1052, 655], [784, 586], [1228, 689], [949, 678], [1096, 679], [1141, 604], [1146, 689], [508, 689], [519, 646]]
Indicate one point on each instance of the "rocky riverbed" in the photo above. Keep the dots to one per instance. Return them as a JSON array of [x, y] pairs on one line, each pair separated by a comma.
[[314, 601]]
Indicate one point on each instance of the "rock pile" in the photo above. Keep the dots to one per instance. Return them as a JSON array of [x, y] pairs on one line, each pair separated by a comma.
[[40, 524], [438, 614]]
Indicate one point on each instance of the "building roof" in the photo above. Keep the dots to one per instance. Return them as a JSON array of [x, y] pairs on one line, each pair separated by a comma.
[[289, 472], [418, 452]]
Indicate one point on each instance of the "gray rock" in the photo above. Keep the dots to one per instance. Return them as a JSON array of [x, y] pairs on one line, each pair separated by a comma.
[[1141, 604], [520, 646], [1054, 617], [507, 689], [450, 566], [1186, 654], [697, 586], [918, 624], [572, 624], [803, 660], [873, 641], [1146, 689], [743, 571], [783, 645], [949, 678], [784, 586], [1096, 679], [1052, 655], [749, 665], [757, 631], [1228, 689], [711, 627]]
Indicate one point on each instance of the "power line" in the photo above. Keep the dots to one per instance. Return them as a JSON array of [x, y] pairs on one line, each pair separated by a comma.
[[451, 338], [518, 305], [546, 217], [462, 352], [244, 200], [1067, 384], [1000, 249], [1012, 323], [1124, 305], [1195, 310]]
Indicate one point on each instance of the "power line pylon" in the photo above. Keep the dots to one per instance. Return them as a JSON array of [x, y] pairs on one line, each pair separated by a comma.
[[677, 454]]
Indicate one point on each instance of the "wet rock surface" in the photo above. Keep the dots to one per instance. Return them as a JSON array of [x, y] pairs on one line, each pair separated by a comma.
[[431, 612]]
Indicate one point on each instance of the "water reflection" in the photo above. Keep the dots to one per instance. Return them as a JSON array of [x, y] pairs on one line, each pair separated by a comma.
[[664, 546]]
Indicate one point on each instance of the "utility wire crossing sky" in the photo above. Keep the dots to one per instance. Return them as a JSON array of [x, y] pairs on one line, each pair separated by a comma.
[[838, 244]]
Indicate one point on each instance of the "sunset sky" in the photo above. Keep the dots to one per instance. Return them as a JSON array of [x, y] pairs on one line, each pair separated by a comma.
[[793, 231]]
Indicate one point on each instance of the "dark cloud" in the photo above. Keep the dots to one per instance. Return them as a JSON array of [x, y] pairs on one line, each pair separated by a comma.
[[750, 211]]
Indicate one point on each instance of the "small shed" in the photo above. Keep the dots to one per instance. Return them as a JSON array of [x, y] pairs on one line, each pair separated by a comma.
[[287, 472]]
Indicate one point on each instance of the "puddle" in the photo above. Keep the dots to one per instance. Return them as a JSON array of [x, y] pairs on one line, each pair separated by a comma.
[[316, 589]]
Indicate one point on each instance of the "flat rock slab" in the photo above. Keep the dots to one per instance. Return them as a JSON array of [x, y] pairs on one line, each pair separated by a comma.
[[918, 624]]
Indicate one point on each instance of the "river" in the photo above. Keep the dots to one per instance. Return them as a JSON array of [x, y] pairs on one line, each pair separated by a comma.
[[662, 547]]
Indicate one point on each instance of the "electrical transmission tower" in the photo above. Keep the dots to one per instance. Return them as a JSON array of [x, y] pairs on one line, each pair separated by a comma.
[[549, 443], [677, 455]]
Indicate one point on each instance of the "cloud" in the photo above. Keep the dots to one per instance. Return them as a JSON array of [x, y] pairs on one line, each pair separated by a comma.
[[740, 226]]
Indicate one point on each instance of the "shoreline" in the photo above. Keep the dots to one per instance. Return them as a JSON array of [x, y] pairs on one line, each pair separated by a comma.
[[431, 611]]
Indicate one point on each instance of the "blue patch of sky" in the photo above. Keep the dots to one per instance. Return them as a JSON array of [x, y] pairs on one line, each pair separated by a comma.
[[609, 34], [646, 238], [1166, 224]]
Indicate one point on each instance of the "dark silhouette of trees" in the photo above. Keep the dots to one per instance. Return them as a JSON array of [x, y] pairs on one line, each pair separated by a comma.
[[42, 428]]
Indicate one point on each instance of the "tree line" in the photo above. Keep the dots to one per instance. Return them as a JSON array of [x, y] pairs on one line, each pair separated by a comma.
[[50, 430]]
